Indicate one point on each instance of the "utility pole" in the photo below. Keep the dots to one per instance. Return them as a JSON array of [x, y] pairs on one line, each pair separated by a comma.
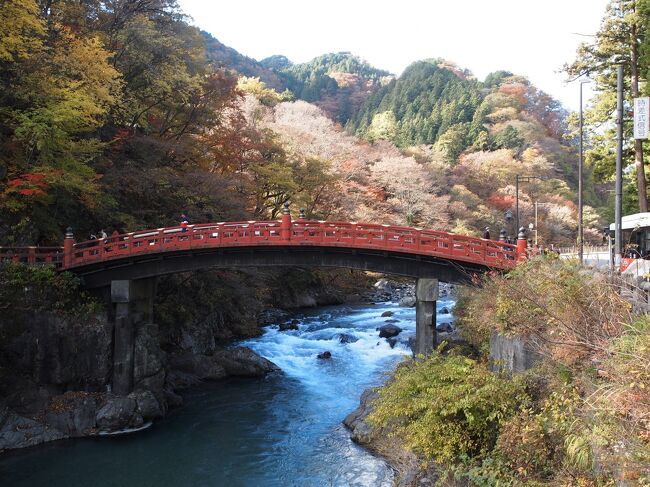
[[536, 224], [516, 203], [618, 201], [638, 143], [580, 181]]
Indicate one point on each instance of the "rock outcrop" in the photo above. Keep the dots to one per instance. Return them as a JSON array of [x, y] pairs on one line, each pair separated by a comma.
[[19, 432], [355, 421], [243, 362], [59, 386], [118, 413], [407, 466], [72, 413]]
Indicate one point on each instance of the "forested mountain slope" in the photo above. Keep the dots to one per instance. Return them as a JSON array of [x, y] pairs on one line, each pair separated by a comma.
[[419, 106], [226, 57], [375, 181], [339, 83]]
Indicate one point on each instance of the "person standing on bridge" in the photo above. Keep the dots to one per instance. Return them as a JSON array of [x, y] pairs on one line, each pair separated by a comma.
[[184, 222], [486, 233]]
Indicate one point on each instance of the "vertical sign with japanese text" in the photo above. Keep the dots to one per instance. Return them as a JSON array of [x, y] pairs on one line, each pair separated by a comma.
[[641, 118]]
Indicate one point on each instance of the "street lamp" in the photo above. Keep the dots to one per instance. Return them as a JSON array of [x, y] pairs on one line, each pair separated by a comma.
[[580, 178]]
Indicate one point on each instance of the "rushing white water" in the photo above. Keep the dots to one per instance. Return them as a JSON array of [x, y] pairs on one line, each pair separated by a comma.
[[281, 431]]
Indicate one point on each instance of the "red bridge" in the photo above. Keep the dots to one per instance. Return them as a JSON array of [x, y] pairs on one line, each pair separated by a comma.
[[383, 248], [123, 268]]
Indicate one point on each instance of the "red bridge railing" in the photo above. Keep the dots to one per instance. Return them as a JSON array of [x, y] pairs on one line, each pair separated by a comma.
[[32, 255], [273, 233]]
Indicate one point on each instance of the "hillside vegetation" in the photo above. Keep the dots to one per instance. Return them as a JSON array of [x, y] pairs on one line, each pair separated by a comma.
[[421, 185], [460, 143]]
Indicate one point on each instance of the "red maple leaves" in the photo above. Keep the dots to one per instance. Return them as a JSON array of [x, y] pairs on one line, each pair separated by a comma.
[[29, 184]]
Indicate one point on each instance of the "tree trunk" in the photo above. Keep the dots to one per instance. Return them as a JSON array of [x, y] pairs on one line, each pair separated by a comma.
[[638, 144]]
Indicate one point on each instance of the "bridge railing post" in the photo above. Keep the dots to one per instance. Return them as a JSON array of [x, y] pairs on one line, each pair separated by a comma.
[[522, 245], [285, 227], [68, 248]]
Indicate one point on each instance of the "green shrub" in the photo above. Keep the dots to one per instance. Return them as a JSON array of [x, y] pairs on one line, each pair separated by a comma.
[[35, 288], [446, 408]]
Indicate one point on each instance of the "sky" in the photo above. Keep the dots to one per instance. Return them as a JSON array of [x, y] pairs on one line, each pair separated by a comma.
[[526, 37]]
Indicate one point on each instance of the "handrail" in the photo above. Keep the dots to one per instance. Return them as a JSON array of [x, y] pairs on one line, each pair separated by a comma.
[[269, 233], [33, 255]]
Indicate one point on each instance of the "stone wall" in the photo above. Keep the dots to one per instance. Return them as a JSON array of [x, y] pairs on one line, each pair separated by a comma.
[[510, 354]]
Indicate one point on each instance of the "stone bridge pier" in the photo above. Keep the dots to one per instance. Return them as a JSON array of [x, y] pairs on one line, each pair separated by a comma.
[[131, 306], [426, 294]]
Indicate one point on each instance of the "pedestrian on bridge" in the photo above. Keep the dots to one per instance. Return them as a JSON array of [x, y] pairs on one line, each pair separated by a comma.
[[486, 233], [184, 222]]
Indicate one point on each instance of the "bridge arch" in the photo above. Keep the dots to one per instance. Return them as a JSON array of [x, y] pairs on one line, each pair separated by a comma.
[[144, 266]]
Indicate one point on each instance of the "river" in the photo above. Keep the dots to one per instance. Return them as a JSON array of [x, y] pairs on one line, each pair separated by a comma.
[[281, 431]]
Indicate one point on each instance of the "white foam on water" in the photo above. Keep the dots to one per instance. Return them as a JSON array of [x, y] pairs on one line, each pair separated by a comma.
[[296, 351]]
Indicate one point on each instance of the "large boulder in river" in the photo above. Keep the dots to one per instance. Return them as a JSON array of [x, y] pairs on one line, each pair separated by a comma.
[[118, 413], [355, 421], [271, 316], [444, 328], [72, 413], [187, 367], [389, 331], [407, 301], [345, 338], [243, 362], [324, 355], [290, 325], [387, 314], [147, 404]]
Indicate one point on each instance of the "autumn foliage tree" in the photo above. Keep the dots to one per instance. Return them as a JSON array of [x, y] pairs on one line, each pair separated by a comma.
[[111, 117]]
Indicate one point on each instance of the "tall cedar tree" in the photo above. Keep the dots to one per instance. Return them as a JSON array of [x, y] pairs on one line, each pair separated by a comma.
[[619, 40]]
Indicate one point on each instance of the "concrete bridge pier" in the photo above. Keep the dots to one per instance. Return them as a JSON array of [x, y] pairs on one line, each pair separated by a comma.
[[426, 293], [132, 304]]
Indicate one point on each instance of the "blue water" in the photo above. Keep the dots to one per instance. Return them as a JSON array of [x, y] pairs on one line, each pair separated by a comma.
[[284, 430]]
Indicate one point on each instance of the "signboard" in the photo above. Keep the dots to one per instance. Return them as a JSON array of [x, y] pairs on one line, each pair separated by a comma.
[[641, 118]]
